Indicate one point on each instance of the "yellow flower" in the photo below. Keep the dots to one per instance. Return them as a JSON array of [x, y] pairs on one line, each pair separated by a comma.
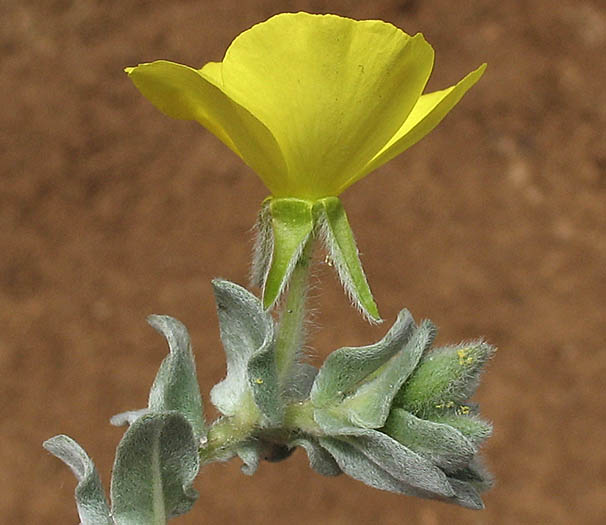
[[312, 103]]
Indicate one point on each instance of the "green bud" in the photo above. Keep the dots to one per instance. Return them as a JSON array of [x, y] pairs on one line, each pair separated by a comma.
[[471, 426], [445, 377]]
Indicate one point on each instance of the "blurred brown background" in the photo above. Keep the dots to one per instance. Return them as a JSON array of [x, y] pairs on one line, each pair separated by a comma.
[[493, 226]]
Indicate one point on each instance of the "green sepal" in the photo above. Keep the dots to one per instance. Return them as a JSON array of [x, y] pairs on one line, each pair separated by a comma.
[[156, 464], [292, 224], [263, 247], [345, 368], [343, 252], [445, 377], [90, 496], [176, 385], [442, 444], [369, 406]]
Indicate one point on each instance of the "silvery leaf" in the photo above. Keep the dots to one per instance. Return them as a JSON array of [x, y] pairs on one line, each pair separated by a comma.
[[155, 466], [245, 329], [176, 384], [442, 444], [369, 405], [90, 496], [319, 459], [345, 368]]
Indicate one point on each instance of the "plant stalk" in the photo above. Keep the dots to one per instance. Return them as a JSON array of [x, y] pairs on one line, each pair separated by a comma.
[[291, 331]]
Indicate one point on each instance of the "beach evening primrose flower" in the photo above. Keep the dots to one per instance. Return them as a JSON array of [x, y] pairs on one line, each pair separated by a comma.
[[312, 103]]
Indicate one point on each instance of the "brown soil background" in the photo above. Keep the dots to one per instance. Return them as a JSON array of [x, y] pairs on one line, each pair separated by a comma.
[[492, 226]]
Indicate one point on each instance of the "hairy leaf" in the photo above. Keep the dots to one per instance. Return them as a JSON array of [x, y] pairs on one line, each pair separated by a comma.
[[156, 463], [246, 329], [176, 384], [442, 444], [345, 368], [319, 458], [90, 496], [369, 406]]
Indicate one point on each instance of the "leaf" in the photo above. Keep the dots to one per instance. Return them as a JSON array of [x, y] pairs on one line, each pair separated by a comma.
[[476, 474], [369, 406], [360, 467], [250, 454], [335, 423], [128, 417], [247, 333], [319, 458], [466, 495], [345, 368], [155, 466], [176, 384], [292, 224], [442, 444], [445, 377], [90, 496], [298, 385], [263, 380], [401, 462], [343, 252]]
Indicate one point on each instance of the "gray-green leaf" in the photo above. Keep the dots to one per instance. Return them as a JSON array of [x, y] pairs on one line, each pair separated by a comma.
[[442, 444], [401, 462], [156, 463], [319, 458], [246, 329], [250, 454], [369, 406], [345, 368], [360, 467], [176, 384], [90, 496]]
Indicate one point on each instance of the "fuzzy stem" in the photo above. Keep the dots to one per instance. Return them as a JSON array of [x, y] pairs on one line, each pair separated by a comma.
[[292, 318], [227, 432]]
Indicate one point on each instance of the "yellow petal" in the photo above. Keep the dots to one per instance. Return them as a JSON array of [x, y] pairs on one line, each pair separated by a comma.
[[426, 115], [332, 90], [184, 93]]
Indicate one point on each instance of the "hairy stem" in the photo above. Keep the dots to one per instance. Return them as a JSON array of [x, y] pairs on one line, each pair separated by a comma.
[[292, 318], [227, 432]]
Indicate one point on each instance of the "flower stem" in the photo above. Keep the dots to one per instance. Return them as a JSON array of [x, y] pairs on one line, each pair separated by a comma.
[[292, 318]]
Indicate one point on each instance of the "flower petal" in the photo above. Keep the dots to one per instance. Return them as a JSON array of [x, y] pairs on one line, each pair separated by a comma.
[[332, 90], [428, 112], [184, 93]]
